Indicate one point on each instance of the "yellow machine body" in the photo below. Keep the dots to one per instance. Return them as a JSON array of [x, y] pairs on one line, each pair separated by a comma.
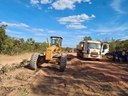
[[53, 54], [53, 49]]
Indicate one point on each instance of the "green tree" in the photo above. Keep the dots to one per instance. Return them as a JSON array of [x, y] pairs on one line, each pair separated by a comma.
[[118, 45], [11, 45], [3, 37], [87, 38], [21, 40], [30, 41]]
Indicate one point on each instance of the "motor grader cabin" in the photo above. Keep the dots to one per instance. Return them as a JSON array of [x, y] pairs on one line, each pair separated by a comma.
[[53, 54], [92, 49]]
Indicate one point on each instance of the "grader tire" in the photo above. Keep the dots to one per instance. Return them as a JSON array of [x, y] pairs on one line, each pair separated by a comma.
[[63, 63], [78, 56], [34, 61]]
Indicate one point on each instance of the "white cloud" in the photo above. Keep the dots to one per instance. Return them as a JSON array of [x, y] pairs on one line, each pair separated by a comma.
[[65, 4], [88, 1], [74, 22], [116, 5], [100, 34], [45, 1], [40, 34], [59, 4], [40, 30], [37, 30], [76, 26], [34, 2], [125, 38], [13, 32], [111, 30], [37, 3], [51, 31], [21, 25], [80, 36], [93, 16], [115, 29], [75, 19]]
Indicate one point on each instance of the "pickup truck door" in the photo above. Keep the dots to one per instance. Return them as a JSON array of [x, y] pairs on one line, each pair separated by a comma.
[[104, 48]]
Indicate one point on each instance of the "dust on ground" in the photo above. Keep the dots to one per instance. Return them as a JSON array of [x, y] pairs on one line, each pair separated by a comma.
[[81, 78], [6, 59]]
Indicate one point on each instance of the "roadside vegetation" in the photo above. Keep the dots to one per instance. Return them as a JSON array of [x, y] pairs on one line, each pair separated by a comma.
[[118, 45], [10, 45]]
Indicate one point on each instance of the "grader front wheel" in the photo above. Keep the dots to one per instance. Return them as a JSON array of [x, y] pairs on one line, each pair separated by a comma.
[[63, 63], [34, 61]]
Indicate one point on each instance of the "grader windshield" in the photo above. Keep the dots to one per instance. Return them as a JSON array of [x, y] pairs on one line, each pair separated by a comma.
[[56, 40]]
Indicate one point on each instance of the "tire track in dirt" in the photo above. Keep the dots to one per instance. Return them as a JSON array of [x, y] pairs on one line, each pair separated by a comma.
[[81, 78]]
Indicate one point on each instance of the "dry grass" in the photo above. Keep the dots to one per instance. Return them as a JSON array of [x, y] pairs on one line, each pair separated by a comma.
[[6, 59]]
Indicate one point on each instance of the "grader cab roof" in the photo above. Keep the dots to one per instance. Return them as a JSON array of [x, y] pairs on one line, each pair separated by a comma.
[[56, 37]]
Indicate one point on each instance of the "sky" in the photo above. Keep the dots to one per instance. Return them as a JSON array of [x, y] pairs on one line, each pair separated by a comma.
[[70, 19]]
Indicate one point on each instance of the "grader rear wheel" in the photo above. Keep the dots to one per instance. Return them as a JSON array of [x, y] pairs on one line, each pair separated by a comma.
[[63, 63], [34, 61], [78, 55]]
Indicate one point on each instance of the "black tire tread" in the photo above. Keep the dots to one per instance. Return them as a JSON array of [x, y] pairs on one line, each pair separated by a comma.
[[34, 61], [63, 63]]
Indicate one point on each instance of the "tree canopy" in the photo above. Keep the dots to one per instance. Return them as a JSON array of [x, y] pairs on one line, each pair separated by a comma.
[[87, 38], [10, 45]]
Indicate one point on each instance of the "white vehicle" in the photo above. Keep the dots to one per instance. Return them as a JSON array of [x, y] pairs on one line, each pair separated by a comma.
[[92, 49]]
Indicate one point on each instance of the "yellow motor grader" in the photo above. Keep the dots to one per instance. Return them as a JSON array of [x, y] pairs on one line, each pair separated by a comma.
[[53, 54]]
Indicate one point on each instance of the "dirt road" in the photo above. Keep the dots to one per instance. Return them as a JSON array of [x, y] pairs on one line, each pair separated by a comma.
[[81, 78], [6, 59]]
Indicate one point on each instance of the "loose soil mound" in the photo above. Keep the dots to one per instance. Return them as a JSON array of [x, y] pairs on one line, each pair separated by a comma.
[[81, 78]]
